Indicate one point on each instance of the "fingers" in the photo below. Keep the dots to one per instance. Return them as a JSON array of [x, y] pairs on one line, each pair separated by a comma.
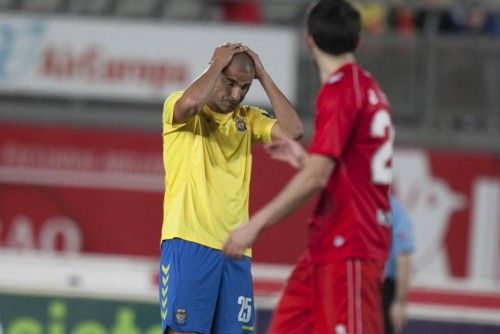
[[281, 150], [277, 150], [225, 52], [232, 250], [278, 146], [252, 53], [275, 144], [234, 46], [227, 45]]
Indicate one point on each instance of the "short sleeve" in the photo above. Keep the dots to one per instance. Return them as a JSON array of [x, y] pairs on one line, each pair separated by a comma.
[[402, 234], [262, 124], [168, 113], [335, 118]]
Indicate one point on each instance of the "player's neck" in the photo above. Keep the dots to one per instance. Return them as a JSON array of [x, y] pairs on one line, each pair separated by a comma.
[[328, 64]]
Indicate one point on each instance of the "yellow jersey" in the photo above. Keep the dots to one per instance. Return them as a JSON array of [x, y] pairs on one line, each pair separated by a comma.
[[207, 163]]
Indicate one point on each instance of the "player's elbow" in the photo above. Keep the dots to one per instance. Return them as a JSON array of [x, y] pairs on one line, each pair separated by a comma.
[[191, 106], [187, 107]]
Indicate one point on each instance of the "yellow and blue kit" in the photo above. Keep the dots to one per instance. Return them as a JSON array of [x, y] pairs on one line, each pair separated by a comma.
[[207, 164]]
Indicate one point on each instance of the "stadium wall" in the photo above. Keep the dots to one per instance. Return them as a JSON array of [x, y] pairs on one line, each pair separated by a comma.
[[80, 217]]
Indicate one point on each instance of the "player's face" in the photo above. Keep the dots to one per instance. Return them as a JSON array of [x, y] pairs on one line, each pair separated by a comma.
[[231, 88]]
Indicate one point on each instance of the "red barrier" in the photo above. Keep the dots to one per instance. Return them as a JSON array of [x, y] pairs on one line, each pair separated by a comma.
[[101, 191]]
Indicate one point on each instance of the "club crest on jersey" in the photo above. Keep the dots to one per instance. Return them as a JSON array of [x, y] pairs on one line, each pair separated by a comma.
[[180, 316], [240, 124]]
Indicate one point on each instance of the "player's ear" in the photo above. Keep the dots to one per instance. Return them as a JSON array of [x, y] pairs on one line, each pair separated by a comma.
[[309, 41]]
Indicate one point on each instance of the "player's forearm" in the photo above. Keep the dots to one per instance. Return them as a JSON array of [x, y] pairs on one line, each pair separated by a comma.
[[403, 266], [293, 196], [283, 109], [198, 93], [304, 185]]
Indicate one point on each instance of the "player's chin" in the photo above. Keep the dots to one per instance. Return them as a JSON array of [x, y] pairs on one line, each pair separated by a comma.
[[229, 107]]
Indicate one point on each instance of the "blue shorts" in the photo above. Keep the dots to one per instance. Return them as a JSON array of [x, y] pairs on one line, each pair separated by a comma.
[[203, 291]]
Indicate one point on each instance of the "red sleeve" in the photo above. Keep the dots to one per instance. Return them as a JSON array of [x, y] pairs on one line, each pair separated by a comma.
[[335, 118]]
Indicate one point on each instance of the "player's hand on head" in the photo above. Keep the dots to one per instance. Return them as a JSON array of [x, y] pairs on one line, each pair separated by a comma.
[[287, 150], [259, 67], [224, 53]]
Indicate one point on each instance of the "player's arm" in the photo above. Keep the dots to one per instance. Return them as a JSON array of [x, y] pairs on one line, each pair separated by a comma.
[[289, 123], [310, 180], [398, 306], [198, 93]]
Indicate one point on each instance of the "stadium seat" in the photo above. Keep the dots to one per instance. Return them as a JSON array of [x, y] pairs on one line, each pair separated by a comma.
[[283, 11], [7, 4], [44, 6], [91, 7], [186, 9], [464, 77], [134, 8]]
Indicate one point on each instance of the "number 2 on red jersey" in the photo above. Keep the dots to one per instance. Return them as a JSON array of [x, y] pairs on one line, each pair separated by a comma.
[[381, 168]]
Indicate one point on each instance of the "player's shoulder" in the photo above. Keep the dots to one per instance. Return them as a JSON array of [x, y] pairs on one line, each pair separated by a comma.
[[171, 99], [247, 111], [344, 80], [338, 85], [174, 95], [346, 73], [336, 78], [168, 105]]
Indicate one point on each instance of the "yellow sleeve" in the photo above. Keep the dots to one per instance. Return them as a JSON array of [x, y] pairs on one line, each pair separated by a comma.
[[262, 124], [168, 113]]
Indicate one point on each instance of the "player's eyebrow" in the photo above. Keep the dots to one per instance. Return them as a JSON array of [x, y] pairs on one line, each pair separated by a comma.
[[244, 84]]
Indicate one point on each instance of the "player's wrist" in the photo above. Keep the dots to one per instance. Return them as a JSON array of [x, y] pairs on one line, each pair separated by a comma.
[[214, 64], [263, 75]]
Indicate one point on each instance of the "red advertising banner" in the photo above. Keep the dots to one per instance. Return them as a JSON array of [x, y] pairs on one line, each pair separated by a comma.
[[101, 191], [80, 190]]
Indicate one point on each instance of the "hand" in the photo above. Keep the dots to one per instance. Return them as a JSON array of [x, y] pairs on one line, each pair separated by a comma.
[[397, 314], [240, 239], [287, 150], [259, 68], [224, 53]]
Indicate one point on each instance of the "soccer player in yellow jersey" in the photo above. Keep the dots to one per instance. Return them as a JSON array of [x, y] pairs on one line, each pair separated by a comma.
[[207, 139]]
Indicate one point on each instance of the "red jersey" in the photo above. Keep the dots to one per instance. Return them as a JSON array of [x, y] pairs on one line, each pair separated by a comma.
[[353, 127]]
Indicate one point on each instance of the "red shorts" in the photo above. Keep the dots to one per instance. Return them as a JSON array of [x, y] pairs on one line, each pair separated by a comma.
[[340, 298]]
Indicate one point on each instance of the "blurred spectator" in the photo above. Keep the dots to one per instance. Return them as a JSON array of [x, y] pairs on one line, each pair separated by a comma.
[[493, 24], [401, 19], [464, 18], [398, 269], [242, 11], [373, 15]]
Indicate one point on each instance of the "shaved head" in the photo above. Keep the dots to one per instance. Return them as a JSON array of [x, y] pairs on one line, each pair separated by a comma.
[[242, 62]]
